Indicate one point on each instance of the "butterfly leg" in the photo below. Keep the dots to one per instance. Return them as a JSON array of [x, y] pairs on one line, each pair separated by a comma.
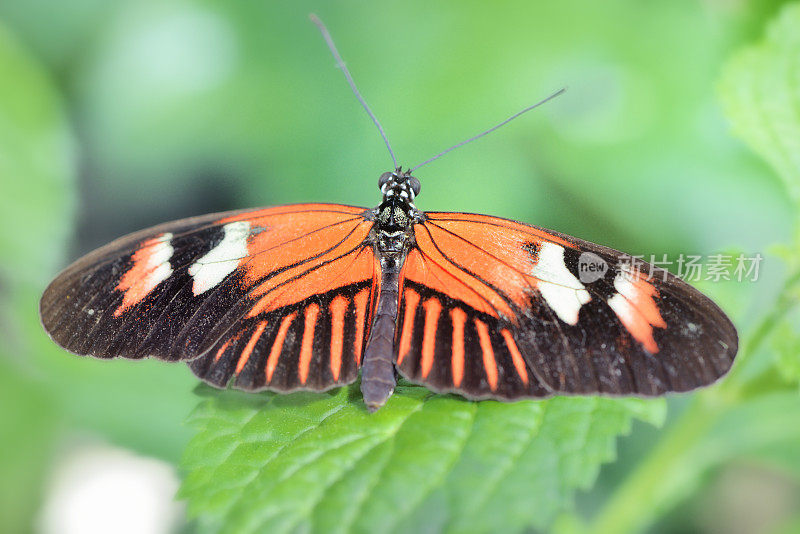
[[378, 372]]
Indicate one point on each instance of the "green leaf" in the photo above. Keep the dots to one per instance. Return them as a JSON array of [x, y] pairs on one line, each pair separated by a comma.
[[786, 344], [27, 430], [750, 429], [760, 91], [790, 526], [424, 462], [36, 166], [36, 175]]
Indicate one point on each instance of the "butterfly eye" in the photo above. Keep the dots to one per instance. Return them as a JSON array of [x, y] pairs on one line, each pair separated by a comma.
[[415, 185], [385, 177]]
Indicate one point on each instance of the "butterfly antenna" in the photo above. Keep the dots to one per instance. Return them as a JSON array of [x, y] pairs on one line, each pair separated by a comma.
[[340, 63], [490, 130]]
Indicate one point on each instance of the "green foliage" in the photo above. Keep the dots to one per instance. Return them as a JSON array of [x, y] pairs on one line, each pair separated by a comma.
[[35, 158], [753, 414], [786, 344], [42, 390], [27, 431], [37, 204], [424, 462], [760, 90]]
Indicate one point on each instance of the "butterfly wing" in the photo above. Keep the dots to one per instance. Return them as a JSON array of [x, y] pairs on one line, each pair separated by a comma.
[[272, 298], [493, 308]]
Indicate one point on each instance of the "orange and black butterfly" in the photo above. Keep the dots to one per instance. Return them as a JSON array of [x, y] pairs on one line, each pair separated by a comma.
[[303, 297]]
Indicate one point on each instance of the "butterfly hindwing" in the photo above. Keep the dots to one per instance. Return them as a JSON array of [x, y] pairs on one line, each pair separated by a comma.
[[631, 329], [315, 343], [210, 284], [449, 346]]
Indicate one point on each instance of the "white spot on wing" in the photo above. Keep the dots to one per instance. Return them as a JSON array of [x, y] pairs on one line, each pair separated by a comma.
[[623, 283], [618, 302], [221, 260], [564, 293], [622, 307], [158, 261]]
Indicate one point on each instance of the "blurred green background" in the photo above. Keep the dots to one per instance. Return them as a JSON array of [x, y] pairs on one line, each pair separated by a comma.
[[118, 115]]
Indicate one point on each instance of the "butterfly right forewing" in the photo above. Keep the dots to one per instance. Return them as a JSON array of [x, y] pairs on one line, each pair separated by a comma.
[[488, 286]]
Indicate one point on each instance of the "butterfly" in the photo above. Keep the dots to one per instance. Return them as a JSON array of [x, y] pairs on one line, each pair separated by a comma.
[[307, 296]]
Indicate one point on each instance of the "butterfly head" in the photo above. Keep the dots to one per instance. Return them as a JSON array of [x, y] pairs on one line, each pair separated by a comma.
[[399, 184]]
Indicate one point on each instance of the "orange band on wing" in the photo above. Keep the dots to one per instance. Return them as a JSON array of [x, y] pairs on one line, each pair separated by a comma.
[[489, 362], [313, 236], [635, 306], [277, 346], [338, 308], [643, 297], [312, 312], [411, 299], [498, 258], [437, 273], [432, 311], [360, 301], [150, 267], [481, 229], [457, 363], [516, 356], [251, 344], [350, 262], [486, 262], [222, 349]]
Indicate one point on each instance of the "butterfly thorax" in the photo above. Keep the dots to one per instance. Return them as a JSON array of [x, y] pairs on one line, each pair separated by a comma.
[[395, 216], [392, 229]]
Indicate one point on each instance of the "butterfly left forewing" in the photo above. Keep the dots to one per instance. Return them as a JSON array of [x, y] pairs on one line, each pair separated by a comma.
[[132, 297], [632, 330], [178, 290]]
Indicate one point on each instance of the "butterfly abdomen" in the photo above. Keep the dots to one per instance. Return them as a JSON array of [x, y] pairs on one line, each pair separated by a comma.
[[377, 372]]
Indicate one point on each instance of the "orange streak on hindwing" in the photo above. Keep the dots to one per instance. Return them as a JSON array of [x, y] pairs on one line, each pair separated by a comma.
[[222, 349], [489, 363], [306, 352], [251, 344], [516, 356], [457, 363], [360, 302], [432, 311], [277, 345], [411, 299], [338, 309]]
